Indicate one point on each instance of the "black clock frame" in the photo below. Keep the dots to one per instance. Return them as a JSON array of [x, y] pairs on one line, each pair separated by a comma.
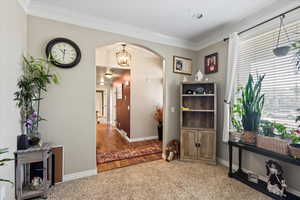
[[65, 40]]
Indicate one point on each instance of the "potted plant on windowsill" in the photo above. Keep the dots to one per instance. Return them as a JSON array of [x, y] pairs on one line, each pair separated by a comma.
[[272, 137], [249, 108], [294, 147], [158, 116], [37, 74]]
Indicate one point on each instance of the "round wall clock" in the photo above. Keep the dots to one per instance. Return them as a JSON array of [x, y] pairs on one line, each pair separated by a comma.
[[63, 52]]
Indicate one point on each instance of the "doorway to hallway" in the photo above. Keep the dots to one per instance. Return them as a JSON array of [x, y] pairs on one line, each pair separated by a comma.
[[134, 94]]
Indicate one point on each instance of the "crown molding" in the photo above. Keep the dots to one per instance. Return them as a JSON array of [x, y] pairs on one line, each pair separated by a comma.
[[24, 4], [87, 21], [83, 20], [218, 35]]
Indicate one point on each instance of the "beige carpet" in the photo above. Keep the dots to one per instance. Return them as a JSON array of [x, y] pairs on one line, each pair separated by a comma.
[[158, 180]]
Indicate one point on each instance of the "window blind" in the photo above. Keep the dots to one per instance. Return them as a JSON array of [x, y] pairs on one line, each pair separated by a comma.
[[282, 79]]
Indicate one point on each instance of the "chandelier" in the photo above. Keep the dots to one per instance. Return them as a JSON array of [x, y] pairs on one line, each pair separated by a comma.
[[123, 57]]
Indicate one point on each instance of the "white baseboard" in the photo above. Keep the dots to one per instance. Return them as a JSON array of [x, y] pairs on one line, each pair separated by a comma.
[[235, 167], [124, 134], [77, 175], [143, 139]]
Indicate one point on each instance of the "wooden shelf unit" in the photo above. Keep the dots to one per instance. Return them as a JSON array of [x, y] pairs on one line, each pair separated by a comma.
[[198, 116]]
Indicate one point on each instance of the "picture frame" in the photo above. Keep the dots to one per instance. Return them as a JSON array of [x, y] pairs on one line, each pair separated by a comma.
[[211, 63], [119, 91], [182, 65]]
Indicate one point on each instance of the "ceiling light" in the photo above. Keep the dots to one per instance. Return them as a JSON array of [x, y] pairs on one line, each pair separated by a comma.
[[123, 57], [108, 75]]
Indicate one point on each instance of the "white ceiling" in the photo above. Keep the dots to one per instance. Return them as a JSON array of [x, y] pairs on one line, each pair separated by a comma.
[[170, 20]]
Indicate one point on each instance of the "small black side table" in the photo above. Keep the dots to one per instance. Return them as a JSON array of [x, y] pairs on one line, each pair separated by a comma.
[[243, 177]]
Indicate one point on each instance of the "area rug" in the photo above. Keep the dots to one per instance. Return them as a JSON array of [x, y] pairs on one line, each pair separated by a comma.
[[135, 149]]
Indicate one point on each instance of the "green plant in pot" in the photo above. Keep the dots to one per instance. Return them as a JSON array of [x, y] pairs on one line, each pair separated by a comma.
[[3, 161], [295, 135], [249, 108], [37, 75], [296, 47], [267, 128]]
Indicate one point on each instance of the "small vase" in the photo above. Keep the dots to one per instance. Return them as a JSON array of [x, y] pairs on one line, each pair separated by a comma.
[[22, 142], [160, 131]]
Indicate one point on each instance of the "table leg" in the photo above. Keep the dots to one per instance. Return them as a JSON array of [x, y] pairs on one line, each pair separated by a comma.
[[240, 160], [230, 160]]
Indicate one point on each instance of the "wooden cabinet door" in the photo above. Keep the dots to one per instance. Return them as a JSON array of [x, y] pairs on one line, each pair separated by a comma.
[[188, 146], [207, 145]]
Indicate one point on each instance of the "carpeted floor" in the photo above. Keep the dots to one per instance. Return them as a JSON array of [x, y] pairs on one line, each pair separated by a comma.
[[158, 180]]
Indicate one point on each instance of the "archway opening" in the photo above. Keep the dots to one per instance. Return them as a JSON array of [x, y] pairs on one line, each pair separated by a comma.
[[129, 106]]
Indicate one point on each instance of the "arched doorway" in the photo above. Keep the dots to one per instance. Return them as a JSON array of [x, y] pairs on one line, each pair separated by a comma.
[[131, 97]]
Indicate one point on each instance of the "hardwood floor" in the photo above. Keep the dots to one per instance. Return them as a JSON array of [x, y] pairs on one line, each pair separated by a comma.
[[109, 140]]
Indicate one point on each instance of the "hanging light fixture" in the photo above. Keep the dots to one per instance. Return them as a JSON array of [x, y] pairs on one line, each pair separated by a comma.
[[123, 57], [108, 75], [282, 50]]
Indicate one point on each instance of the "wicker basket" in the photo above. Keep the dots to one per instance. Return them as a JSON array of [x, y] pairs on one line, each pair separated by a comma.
[[295, 152], [249, 137], [272, 144]]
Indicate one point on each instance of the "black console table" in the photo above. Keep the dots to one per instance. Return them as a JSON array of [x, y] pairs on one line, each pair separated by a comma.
[[243, 177]]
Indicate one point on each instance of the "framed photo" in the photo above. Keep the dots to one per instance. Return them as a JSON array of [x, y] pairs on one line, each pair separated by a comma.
[[119, 91], [211, 63], [182, 65]]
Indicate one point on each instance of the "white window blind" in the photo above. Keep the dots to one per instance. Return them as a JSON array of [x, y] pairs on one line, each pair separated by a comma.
[[282, 79]]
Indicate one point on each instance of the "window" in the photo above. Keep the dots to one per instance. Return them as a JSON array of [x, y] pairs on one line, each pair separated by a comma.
[[282, 81]]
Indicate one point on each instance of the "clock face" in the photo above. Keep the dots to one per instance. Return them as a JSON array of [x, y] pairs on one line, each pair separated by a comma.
[[63, 52]]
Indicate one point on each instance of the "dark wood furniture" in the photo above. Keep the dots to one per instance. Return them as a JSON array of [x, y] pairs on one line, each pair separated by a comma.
[[240, 175], [198, 114], [58, 158]]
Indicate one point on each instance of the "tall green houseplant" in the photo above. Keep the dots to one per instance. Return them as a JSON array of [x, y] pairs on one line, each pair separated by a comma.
[[252, 101], [247, 112], [37, 75]]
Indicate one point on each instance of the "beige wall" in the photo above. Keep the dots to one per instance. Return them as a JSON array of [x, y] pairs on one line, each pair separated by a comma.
[[13, 37], [70, 106], [146, 93], [251, 161]]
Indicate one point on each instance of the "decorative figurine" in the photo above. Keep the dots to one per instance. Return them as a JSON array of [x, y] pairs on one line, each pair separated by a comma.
[[198, 76], [276, 183], [172, 150]]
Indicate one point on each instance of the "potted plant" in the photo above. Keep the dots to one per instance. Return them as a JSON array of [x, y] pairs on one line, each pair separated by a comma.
[[267, 128], [249, 108], [158, 116], [37, 74], [273, 137], [3, 161], [296, 47], [295, 137]]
